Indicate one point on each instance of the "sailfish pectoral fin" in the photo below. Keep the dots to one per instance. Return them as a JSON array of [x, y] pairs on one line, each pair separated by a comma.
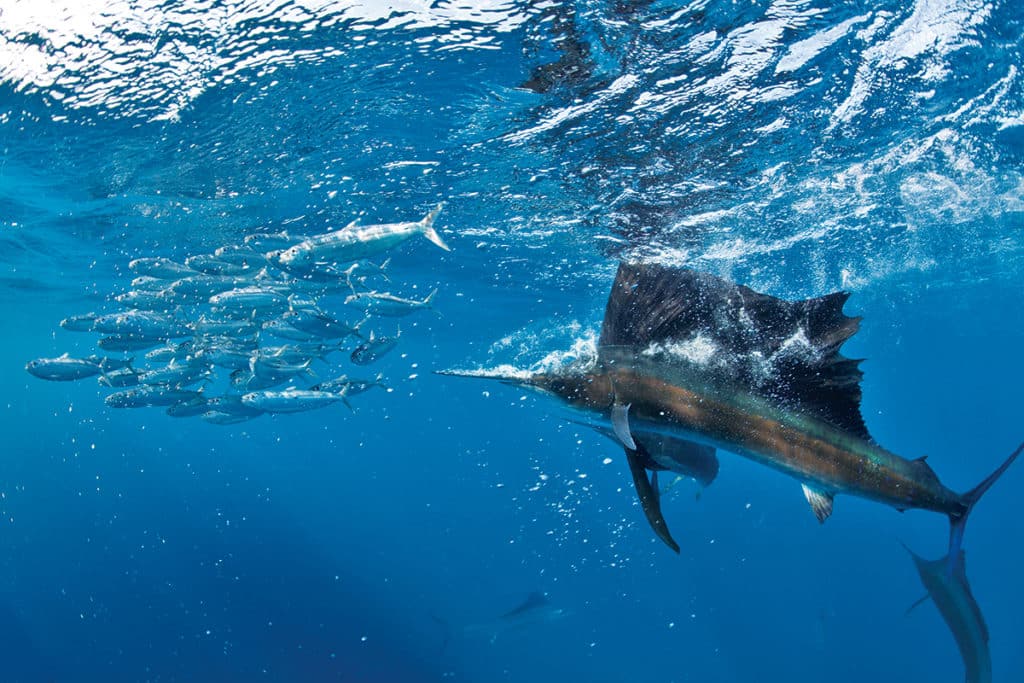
[[920, 601], [620, 425], [821, 502], [649, 499]]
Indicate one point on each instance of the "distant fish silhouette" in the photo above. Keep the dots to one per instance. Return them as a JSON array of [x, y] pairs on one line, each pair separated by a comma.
[[535, 610]]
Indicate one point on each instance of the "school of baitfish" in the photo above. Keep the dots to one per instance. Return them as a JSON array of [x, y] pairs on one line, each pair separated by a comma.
[[253, 310]]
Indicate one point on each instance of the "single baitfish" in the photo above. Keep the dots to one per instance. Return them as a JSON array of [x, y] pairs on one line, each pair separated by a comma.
[[170, 352], [240, 255], [62, 369], [145, 283], [281, 329], [374, 348], [297, 353], [79, 323], [318, 323], [246, 380], [383, 303], [231, 404], [226, 353], [208, 327], [118, 379], [250, 300], [212, 265], [193, 407], [273, 241], [159, 267], [289, 401], [359, 272], [353, 243], [141, 324], [146, 300], [177, 374], [142, 397], [200, 287], [275, 369], [217, 417], [350, 386]]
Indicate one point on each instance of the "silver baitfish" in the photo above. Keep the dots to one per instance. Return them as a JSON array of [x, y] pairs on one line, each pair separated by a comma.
[[283, 330], [242, 255], [199, 288], [160, 267], [321, 282], [249, 300], [384, 303], [194, 406], [350, 386], [374, 348], [141, 324], [127, 342], [290, 401], [79, 323], [232, 405], [361, 271], [212, 265], [166, 354], [62, 369], [353, 243], [142, 397], [176, 374], [320, 324], [227, 354], [297, 354], [273, 369], [145, 300], [118, 379], [224, 328], [273, 241], [217, 417], [246, 380], [146, 283]]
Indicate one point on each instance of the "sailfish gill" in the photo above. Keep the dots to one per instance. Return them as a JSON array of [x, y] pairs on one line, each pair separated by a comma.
[[701, 361]]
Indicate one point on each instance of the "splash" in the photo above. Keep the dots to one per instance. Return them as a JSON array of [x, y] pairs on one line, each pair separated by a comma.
[[582, 354]]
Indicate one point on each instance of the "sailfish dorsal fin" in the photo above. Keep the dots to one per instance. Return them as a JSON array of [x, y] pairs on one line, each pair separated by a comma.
[[784, 351], [533, 601]]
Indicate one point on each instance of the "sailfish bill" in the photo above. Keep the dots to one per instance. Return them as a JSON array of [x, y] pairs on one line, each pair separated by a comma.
[[698, 358]]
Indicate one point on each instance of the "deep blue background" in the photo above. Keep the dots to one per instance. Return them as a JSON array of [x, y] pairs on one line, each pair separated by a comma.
[[328, 545]]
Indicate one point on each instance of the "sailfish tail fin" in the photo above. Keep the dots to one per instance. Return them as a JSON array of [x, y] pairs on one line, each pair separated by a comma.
[[958, 523], [945, 580]]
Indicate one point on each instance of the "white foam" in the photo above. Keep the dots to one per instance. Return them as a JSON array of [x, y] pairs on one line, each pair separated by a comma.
[[582, 354], [504, 371], [698, 350]]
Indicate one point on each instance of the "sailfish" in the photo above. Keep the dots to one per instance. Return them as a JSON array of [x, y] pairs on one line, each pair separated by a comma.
[[694, 363]]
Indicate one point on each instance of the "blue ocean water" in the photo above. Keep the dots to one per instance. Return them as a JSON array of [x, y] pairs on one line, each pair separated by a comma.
[[798, 147]]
